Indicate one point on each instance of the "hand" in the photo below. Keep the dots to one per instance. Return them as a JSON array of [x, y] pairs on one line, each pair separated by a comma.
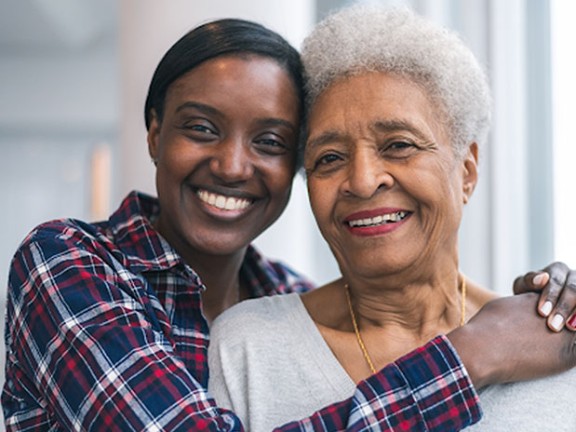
[[506, 342], [557, 285]]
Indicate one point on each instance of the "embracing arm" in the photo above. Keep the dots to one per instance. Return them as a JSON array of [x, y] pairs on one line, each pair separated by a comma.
[[427, 389], [81, 350], [84, 353]]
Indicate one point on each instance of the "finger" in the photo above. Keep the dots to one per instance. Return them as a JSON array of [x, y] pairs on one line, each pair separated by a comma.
[[571, 321], [557, 272], [566, 303], [530, 282]]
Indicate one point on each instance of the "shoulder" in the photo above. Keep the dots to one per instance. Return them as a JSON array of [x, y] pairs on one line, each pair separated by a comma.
[[262, 316], [260, 309], [58, 237], [59, 241], [58, 256], [268, 277], [535, 405], [478, 296]]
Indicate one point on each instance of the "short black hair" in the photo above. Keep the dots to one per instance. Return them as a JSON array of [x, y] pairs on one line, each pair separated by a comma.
[[221, 37]]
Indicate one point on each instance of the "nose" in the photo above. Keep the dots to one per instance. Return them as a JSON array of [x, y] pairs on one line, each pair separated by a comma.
[[232, 160], [366, 174]]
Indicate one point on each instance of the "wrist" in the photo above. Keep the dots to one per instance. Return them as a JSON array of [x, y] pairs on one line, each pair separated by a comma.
[[471, 355]]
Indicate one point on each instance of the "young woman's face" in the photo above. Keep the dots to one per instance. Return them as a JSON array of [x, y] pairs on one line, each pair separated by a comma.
[[226, 153]]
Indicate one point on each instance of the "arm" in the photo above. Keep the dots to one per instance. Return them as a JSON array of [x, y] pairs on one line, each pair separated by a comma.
[[427, 389], [79, 344], [506, 342], [431, 387], [86, 352], [83, 351]]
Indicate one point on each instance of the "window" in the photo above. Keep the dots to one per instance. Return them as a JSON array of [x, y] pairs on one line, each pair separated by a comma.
[[564, 95]]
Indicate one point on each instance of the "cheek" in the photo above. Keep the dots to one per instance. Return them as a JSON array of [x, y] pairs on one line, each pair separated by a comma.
[[280, 175], [320, 201], [175, 155]]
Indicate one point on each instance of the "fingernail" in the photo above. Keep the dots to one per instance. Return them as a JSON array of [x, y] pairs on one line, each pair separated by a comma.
[[572, 322], [557, 322], [539, 279], [546, 308]]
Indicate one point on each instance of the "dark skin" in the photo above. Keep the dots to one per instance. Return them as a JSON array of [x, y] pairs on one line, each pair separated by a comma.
[[488, 348], [225, 152], [558, 295], [487, 335]]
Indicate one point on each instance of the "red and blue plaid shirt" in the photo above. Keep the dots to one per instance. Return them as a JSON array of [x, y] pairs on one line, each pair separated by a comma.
[[105, 332]]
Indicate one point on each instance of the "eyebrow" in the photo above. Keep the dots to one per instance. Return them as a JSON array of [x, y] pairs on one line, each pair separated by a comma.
[[378, 125], [398, 125], [198, 106], [210, 110]]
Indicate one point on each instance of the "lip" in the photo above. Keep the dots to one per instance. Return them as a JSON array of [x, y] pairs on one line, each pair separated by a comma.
[[242, 202], [373, 230]]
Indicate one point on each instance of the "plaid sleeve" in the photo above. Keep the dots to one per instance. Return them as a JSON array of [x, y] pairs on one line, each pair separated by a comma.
[[426, 390], [83, 354]]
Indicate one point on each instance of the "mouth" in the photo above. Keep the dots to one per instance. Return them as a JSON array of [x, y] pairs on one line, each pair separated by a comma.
[[223, 202], [383, 219]]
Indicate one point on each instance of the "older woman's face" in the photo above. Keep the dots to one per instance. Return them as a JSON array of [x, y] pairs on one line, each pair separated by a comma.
[[385, 185]]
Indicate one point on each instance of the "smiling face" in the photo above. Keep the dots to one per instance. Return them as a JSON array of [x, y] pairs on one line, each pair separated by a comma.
[[225, 151], [385, 185]]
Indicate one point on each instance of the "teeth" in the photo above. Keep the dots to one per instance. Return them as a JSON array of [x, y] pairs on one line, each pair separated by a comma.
[[222, 202], [379, 220]]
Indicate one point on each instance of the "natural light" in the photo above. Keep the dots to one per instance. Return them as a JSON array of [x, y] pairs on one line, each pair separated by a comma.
[[563, 14]]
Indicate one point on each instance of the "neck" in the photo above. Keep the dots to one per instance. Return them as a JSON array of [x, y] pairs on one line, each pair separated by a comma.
[[219, 273], [221, 276], [398, 343], [414, 308]]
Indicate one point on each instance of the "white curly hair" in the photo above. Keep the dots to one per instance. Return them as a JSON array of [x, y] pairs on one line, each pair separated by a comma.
[[372, 38]]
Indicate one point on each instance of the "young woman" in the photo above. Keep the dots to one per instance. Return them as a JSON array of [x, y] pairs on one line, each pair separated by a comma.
[[108, 323]]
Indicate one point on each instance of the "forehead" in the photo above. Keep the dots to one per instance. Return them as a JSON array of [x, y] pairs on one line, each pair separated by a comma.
[[248, 73], [362, 93]]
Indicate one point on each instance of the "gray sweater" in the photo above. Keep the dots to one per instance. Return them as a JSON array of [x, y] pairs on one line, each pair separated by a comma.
[[270, 365]]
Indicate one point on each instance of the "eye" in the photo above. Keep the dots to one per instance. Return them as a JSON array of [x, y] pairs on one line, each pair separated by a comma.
[[400, 145], [398, 149], [199, 130], [272, 144], [325, 163], [328, 159]]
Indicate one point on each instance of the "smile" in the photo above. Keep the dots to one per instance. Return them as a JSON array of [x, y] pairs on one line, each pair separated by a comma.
[[223, 202], [378, 220]]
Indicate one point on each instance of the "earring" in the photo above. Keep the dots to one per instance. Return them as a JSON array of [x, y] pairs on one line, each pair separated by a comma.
[[154, 160]]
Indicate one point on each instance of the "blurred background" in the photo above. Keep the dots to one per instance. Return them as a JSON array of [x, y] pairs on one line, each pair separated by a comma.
[[74, 75]]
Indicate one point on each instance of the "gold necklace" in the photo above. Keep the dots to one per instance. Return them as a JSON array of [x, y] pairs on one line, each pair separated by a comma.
[[357, 330]]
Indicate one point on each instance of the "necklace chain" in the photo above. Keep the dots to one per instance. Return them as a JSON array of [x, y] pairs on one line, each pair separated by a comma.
[[357, 330]]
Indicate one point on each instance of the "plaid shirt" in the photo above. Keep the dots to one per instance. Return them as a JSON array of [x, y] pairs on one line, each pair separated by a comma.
[[105, 332]]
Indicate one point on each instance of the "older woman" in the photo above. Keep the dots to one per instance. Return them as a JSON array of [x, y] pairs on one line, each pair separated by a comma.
[[399, 110]]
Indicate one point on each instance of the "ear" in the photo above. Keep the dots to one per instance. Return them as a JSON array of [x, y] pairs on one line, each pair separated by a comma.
[[470, 172], [153, 137]]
